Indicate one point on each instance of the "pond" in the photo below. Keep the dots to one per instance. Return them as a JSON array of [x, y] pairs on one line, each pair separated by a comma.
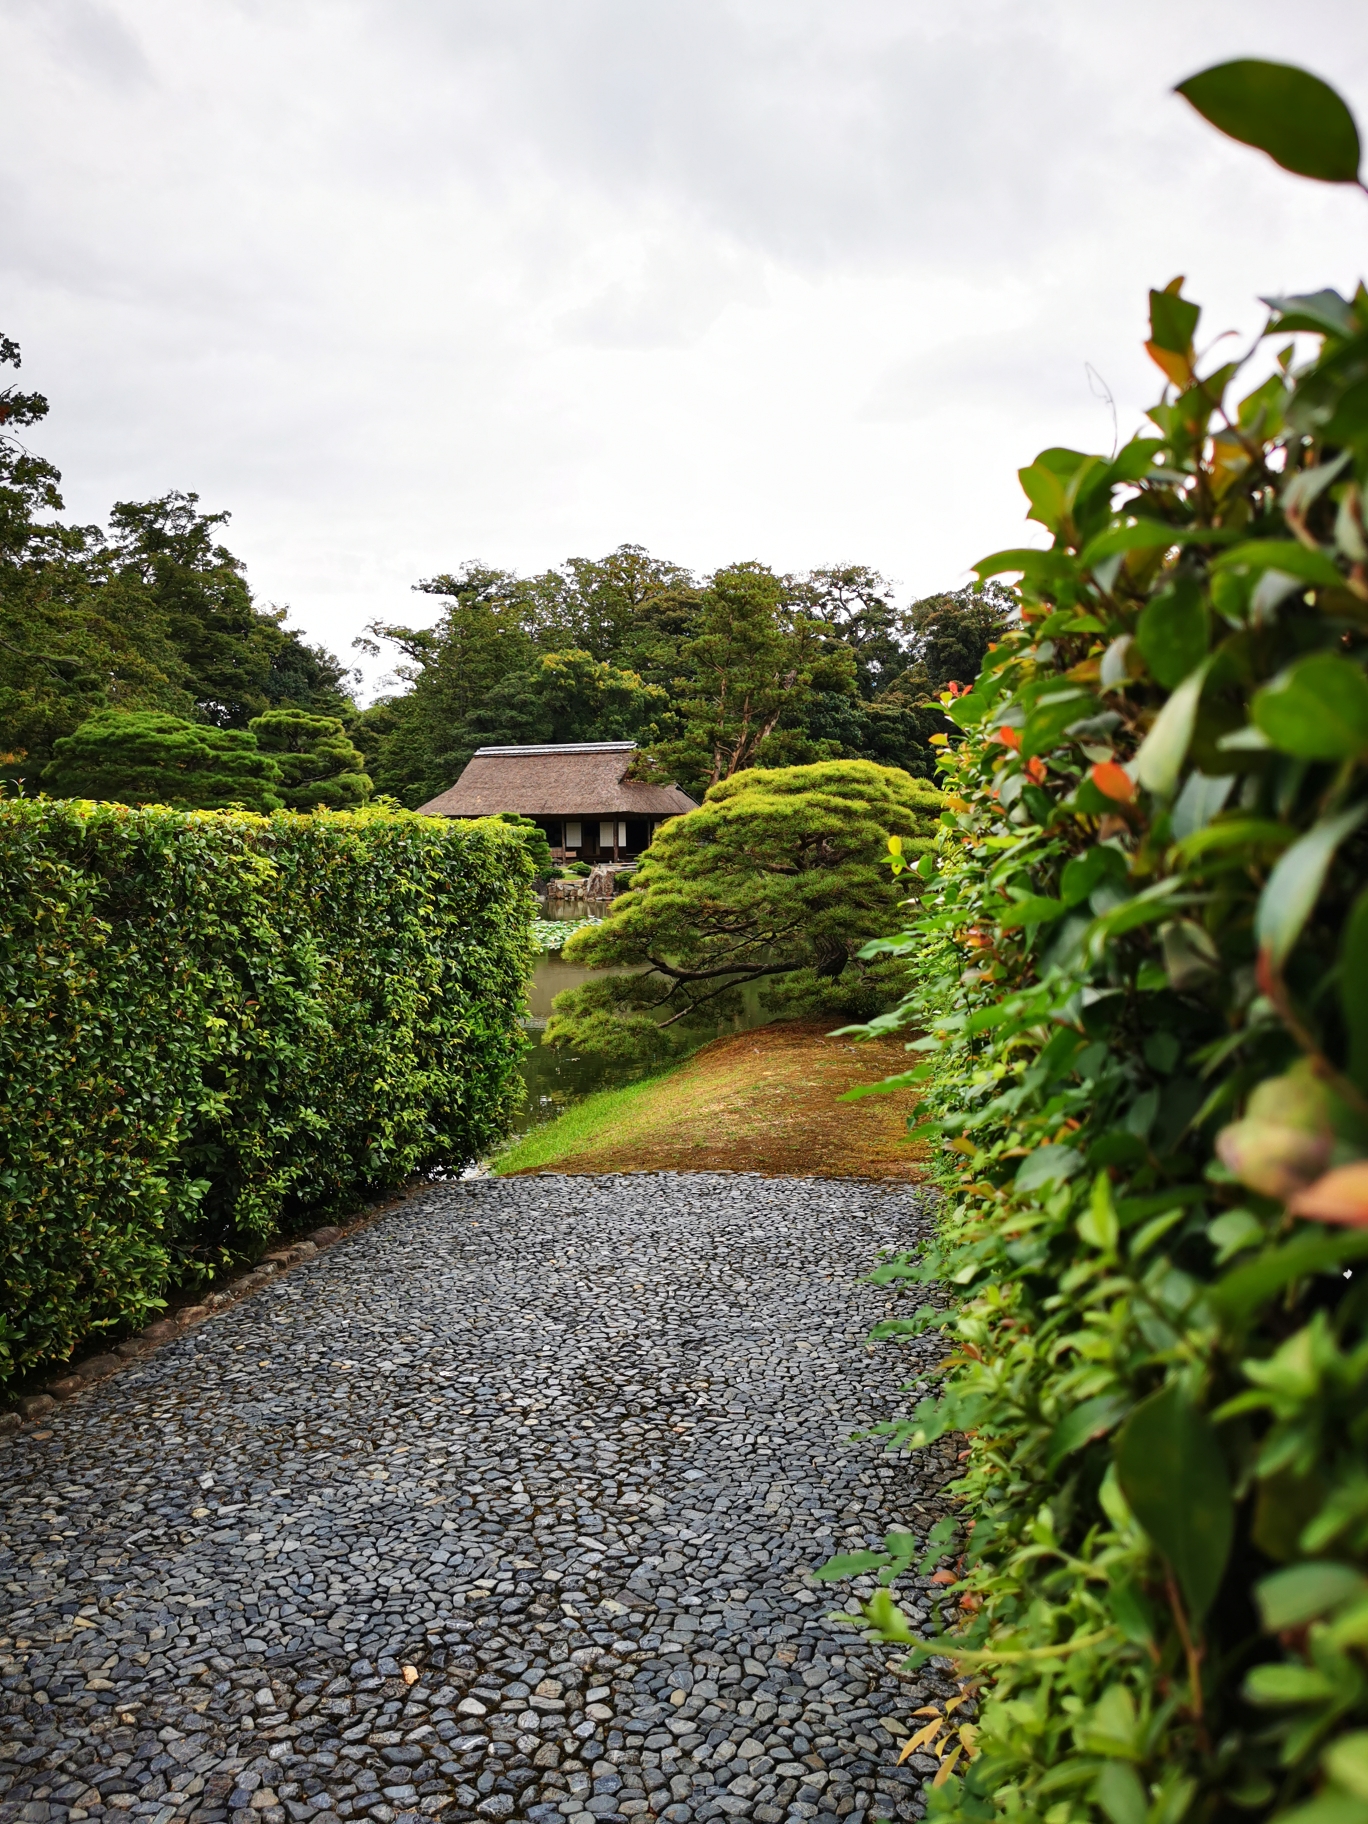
[[556, 1078]]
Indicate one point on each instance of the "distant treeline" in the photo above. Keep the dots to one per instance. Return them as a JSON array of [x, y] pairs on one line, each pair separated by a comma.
[[709, 674]]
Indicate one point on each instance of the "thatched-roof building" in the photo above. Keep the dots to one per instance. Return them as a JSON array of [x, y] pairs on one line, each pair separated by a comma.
[[577, 794]]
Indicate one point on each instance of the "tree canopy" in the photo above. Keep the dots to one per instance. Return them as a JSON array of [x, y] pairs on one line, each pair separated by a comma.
[[770, 887], [740, 668], [710, 675], [317, 763], [153, 613], [148, 757]]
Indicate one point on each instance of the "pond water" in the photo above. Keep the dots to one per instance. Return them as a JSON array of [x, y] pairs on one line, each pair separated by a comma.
[[554, 1077]]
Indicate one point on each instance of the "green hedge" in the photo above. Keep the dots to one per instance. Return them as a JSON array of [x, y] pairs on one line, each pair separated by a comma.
[[215, 1025], [1143, 1001]]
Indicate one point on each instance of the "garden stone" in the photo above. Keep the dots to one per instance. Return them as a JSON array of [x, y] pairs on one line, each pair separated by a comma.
[[504, 1509]]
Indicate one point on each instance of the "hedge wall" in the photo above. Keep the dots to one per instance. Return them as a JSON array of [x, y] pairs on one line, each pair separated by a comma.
[[1143, 1001], [214, 1025]]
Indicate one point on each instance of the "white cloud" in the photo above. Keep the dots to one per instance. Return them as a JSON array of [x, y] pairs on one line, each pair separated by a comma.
[[403, 282]]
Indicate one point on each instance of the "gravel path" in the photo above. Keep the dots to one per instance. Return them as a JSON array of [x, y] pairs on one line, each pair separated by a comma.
[[501, 1509]]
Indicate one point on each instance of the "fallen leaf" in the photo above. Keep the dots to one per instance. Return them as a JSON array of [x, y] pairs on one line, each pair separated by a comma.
[[948, 1767], [919, 1740]]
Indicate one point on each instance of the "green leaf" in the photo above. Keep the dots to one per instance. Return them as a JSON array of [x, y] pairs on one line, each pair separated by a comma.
[[1295, 883], [1316, 709], [1246, 834], [1048, 1165], [1099, 1225], [1353, 987], [1201, 799], [883, 1615], [1287, 1684], [1034, 564], [1346, 1761], [1307, 485], [1093, 1419], [1322, 313], [1164, 749], [1136, 459], [1173, 319], [1037, 910], [1055, 712], [1120, 1795], [1290, 1598], [1330, 1806], [1173, 633], [1085, 873], [1298, 120], [1045, 491], [1169, 1465], [849, 1564], [1282, 554], [1244, 1289]]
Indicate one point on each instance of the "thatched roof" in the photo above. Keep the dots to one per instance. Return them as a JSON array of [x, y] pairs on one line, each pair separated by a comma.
[[583, 780]]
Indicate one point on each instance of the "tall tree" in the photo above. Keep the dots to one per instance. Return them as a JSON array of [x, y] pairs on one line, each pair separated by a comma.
[[156, 617], [757, 659], [74, 638], [238, 659], [855, 606], [952, 633], [745, 668], [480, 678], [611, 607]]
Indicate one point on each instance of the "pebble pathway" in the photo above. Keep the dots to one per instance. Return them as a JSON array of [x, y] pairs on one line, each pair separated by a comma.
[[501, 1509]]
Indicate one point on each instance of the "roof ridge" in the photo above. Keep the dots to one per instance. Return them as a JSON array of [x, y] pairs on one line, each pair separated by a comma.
[[563, 747]]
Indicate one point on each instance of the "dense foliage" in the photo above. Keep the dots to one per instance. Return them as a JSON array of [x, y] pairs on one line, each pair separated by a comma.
[[1143, 1000], [711, 675], [317, 764], [152, 614], [767, 888], [283, 759], [144, 756], [740, 669], [216, 1025]]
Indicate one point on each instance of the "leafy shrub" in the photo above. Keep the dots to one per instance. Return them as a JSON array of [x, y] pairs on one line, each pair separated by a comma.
[[215, 1025], [1143, 998], [766, 887], [534, 840]]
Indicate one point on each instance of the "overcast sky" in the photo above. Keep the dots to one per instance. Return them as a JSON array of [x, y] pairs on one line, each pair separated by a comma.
[[406, 282]]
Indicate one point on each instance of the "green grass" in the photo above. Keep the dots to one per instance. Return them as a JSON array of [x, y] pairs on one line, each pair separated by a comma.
[[596, 1116]]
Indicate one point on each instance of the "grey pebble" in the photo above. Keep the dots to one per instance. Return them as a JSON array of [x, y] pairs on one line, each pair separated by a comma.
[[502, 1508]]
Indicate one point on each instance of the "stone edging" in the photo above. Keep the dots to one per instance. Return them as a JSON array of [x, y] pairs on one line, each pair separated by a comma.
[[31, 1408]]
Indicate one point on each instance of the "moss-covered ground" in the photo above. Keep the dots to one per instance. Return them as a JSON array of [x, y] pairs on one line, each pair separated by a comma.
[[763, 1101]]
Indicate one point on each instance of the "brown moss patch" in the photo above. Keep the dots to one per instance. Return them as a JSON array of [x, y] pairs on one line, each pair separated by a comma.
[[765, 1101]]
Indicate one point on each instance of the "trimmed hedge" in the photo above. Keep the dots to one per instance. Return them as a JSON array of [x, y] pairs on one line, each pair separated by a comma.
[[214, 1025], [1143, 1001]]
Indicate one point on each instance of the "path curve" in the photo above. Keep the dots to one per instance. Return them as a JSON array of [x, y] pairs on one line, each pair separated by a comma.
[[500, 1509]]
